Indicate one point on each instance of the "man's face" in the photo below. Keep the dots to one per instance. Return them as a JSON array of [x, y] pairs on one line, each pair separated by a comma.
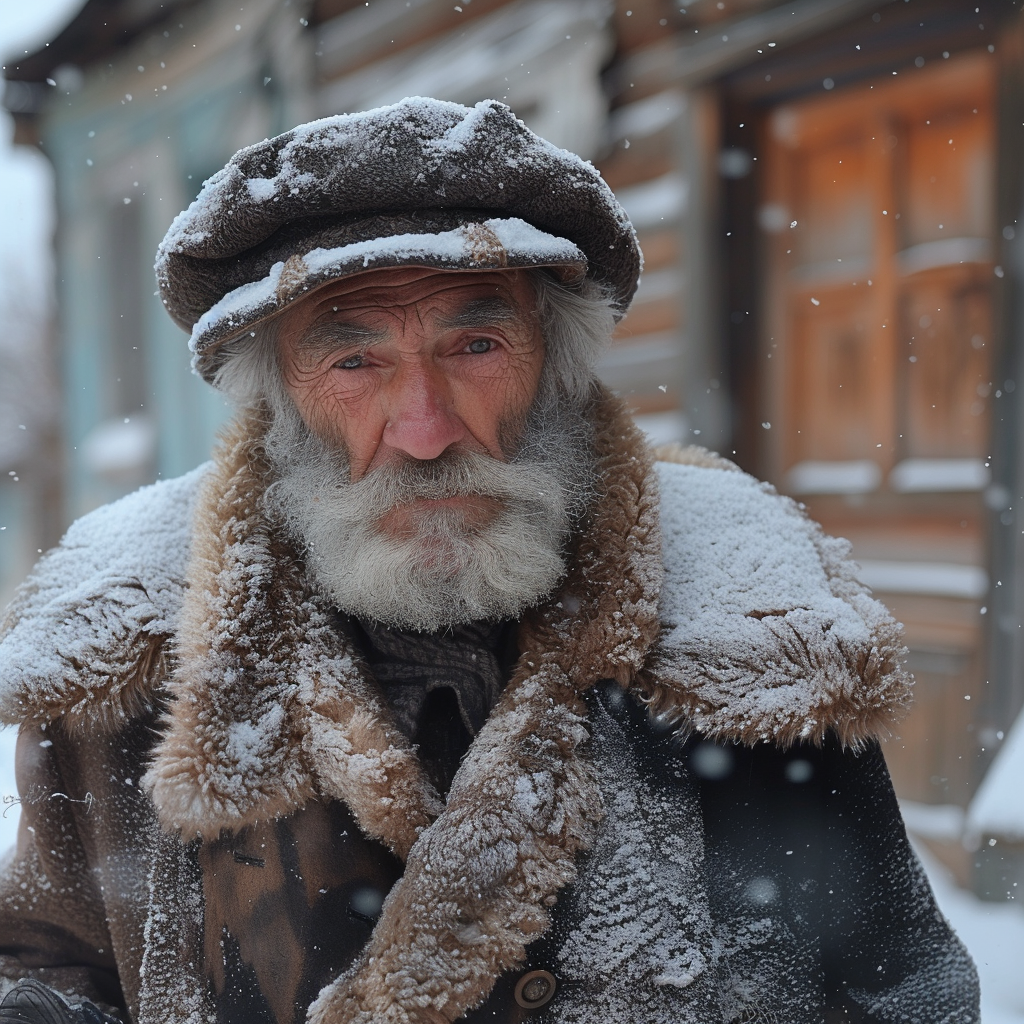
[[425, 460], [406, 363]]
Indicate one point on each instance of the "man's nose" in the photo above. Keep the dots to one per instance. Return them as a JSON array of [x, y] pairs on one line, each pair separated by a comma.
[[421, 419]]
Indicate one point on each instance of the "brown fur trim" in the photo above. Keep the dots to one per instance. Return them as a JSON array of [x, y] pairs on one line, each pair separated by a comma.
[[268, 708], [84, 636], [479, 883], [693, 455], [99, 685], [102, 695], [854, 716], [604, 618], [884, 695]]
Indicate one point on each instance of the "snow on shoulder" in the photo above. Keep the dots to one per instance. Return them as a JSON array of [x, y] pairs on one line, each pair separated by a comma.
[[767, 634], [109, 590]]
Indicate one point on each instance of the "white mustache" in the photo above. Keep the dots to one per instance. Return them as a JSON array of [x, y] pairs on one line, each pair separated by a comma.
[[455, 473]]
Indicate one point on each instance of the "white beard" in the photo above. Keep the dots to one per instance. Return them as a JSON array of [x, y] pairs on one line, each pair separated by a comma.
[[446, 572]]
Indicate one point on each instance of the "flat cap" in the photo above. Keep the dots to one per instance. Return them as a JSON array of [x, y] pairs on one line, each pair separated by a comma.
[[420, 183]]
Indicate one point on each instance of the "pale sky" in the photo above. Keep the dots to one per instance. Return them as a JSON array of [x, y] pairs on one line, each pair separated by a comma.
[[24, 26], [26, 200]]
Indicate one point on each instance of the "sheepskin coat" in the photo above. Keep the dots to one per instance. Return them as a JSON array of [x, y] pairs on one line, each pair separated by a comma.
[[678, 806]]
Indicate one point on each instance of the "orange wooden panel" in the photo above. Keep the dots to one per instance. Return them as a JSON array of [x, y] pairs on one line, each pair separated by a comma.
[[866, 175], [947, 189], [947, 329], [831, 383], [832, 204], [960, 84]]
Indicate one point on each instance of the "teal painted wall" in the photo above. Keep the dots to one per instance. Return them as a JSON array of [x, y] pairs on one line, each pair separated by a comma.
[[144, 130]]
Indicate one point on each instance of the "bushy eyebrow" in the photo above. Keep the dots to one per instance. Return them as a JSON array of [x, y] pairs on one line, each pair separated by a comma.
[[480, 313], [328, 335], [323, 338]]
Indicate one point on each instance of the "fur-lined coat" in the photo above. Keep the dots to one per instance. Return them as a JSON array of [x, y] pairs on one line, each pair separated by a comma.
[[677, 809]]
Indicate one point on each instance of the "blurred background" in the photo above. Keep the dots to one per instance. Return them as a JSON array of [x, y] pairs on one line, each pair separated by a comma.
[[827, 193]]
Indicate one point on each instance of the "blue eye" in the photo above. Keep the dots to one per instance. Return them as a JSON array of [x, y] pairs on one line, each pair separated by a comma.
[[480, 345], [351, 363]]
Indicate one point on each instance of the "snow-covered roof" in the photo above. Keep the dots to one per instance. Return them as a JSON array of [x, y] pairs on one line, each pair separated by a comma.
[[998, 807]]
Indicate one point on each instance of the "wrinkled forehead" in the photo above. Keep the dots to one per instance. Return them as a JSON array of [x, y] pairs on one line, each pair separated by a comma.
[[442, 298]]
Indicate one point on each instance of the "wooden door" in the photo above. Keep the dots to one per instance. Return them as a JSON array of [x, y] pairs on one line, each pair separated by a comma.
[[877, 221]]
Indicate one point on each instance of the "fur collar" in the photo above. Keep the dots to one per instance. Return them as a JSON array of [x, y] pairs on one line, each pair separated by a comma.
[[84, 637], [766, 632]]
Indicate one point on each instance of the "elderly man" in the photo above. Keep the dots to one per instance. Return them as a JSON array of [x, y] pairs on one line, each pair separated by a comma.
[[434, 697]]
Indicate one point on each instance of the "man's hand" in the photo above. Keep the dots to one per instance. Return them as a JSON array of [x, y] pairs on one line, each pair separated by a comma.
[[32, 1002]]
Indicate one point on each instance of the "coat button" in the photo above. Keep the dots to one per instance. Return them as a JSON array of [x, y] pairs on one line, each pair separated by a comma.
[[535, 989]]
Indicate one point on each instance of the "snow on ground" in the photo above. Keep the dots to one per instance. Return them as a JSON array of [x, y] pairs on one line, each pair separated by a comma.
[[993, 932]]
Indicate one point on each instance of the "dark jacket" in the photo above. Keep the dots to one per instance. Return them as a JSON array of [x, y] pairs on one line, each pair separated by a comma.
[[677, 809]]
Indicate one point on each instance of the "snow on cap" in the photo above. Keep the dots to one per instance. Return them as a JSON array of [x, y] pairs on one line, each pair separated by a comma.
[[419, 183]]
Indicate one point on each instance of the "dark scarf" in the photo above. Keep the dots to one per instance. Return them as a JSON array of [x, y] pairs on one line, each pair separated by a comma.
[[441, 686]]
